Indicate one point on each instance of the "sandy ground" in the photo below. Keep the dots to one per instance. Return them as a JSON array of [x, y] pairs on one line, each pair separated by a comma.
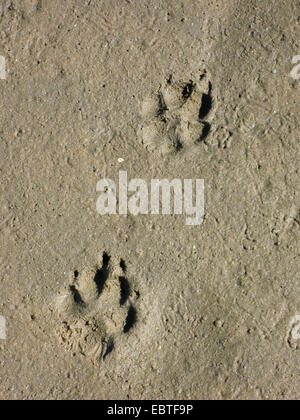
[[145, 307]]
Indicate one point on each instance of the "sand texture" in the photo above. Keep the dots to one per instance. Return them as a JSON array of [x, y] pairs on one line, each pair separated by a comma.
[[145, 306]]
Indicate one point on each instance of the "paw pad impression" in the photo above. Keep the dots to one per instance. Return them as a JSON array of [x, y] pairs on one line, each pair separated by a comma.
[[175, 117]]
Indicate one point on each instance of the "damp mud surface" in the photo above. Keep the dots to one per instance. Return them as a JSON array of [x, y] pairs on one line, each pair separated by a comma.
[[145, 307]]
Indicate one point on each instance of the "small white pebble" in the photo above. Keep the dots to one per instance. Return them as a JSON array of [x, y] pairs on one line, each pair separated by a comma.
[[219, 323]]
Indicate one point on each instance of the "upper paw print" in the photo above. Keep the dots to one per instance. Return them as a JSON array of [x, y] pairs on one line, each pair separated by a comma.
[[175, 117]]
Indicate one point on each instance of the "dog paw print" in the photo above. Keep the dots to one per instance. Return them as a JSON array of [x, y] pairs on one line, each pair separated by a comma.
[[176, 117], [95, 309]]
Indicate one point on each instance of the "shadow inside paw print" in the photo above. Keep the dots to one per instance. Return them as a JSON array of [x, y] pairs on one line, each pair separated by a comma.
[[175, 117], [98, 306]]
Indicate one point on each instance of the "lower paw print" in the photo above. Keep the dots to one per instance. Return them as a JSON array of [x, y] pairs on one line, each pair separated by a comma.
[[95, 309], [176, 117]]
